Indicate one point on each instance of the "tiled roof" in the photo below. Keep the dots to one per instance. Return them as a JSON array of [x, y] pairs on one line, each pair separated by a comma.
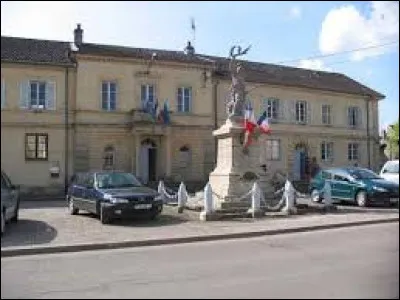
[[56, 52], [255, 72], [21, 50]]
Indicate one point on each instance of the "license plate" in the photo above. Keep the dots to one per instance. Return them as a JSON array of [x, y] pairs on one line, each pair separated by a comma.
[[142, 206], [394, 200]]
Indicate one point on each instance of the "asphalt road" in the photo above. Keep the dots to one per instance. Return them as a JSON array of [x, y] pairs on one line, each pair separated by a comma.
[[357, 262]]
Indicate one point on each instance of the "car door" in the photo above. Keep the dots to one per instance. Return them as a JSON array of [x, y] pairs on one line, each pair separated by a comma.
[[78, 190], [90, 194], [341, 188]]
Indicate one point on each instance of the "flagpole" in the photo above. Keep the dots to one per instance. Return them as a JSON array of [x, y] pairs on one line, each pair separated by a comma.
[[193, 32]]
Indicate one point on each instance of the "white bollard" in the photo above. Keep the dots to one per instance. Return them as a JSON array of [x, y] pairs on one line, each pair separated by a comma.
[[290, 194], [160, 190], [182, 197], [255, 209], [208, 199], [208, 211], [328, 196]]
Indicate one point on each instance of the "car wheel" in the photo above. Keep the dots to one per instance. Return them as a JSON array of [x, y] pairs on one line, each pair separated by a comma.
[[3, 222], [361, 199], [14, 219], [104, 217], [71, 207], [315, 196]]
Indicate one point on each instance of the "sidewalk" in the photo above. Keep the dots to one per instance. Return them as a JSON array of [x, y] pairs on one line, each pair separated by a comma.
[[52, 230]]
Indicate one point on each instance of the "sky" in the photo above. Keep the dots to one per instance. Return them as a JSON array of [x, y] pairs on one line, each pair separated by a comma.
[[313, 35]]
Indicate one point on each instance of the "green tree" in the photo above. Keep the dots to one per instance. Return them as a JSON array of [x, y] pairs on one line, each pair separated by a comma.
[[392, 140]]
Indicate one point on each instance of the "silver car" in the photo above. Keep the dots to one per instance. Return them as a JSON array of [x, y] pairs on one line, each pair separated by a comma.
[[9, 201]]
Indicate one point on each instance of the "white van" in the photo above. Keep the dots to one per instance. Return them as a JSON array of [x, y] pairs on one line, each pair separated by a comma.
[[390, 171]]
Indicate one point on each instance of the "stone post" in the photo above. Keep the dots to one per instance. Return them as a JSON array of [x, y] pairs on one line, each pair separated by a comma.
[[160, 190], [208, 211], [182, 197], [255, 209], [328, 197], [289, 194]]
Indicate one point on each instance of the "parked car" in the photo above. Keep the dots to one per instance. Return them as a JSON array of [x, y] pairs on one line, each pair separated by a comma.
[[10, 198], [390, 171], [357, 185], [112, 195]]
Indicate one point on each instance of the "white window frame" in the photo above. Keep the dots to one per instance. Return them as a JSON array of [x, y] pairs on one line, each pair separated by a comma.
[[301, 107], [353, 151], [145, 97], [326, 151], [353, 116], [273, 149], [326, 114], [186, 91], [31, 103], [109, 83], [271, 106]]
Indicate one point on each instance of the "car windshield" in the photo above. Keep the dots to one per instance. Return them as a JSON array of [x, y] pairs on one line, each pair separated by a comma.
[[363, 174], [116, 180]]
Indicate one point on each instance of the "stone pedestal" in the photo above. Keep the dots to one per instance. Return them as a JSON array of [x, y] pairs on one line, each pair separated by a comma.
[[236, 171]]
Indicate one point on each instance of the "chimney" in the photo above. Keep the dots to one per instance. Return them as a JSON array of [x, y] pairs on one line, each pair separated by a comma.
[[78, 36], [189, 49]]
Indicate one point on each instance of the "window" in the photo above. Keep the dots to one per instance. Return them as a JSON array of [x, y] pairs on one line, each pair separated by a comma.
[[273, 149], [184, 99], [38, 94], [36, 146], [108, 95], [108, 158], [326, 175], [301, 111], [184, 156], [339, 177], [352, 151], [354, 116], [326, 151], [147, 95], [326, 115], [271, 106]]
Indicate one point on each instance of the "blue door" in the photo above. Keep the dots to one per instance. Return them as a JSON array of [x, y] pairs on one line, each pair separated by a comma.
[[299, 164]]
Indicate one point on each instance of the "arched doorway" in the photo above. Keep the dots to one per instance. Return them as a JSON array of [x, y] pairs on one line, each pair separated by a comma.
[[300, 162], [148, 161]]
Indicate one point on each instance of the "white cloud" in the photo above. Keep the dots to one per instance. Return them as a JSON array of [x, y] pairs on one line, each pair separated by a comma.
[[345, 28], [313, 64], [295, 12]]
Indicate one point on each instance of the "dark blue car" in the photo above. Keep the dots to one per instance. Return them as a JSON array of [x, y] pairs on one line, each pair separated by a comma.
[[112, 195]]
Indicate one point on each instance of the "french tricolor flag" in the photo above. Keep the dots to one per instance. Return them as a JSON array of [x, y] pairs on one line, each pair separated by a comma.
[[263, 123], [250, 124]]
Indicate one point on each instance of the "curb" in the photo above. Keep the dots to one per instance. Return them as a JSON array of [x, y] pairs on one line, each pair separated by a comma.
[[183, 240]]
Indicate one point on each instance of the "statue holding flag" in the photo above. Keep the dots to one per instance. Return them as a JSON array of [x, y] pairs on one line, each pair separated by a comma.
[[235, 106]]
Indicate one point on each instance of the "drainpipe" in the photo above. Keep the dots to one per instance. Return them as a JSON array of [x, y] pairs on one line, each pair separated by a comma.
[[367, 100], [66, 128]]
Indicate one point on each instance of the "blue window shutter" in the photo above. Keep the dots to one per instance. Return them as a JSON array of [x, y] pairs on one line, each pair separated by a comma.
[[24, 98], [359, 117], [50, 95], [3, 93]]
